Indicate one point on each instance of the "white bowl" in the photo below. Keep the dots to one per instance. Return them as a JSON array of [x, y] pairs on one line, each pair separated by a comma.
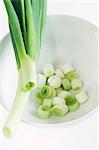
[[68, 40]]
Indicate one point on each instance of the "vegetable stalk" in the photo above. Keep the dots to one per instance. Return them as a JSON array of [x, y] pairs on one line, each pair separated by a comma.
[[15, 115]]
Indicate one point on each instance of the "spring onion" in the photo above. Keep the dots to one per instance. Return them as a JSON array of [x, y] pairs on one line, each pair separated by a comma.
[[74, 107], [59, 110], [82, 97], [59, 73], [53, 93], [67, 68], [64, 94], [66, 84], [41, 80], [46, 91], [58, 90], [72, 103], [58, 100], [43, 113], [16, 111], [47, 103], [48, 70], [38, 98], [72, 75], [76, 84], [71, 100], [54, 81], [27, 25]]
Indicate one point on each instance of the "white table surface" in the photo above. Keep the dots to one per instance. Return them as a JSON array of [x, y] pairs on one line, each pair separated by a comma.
[[82, 134]]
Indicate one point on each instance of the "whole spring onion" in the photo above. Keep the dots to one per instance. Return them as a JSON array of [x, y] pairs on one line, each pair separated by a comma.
[[27, 24]]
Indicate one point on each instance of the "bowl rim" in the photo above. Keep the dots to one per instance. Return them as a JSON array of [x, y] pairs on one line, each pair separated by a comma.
[[73, 121]]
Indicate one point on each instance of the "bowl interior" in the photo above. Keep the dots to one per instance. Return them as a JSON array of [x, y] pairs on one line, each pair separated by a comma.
[[68, 40]]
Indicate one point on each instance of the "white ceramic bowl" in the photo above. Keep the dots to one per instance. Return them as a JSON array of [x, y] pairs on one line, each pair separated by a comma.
[[68, 40]]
